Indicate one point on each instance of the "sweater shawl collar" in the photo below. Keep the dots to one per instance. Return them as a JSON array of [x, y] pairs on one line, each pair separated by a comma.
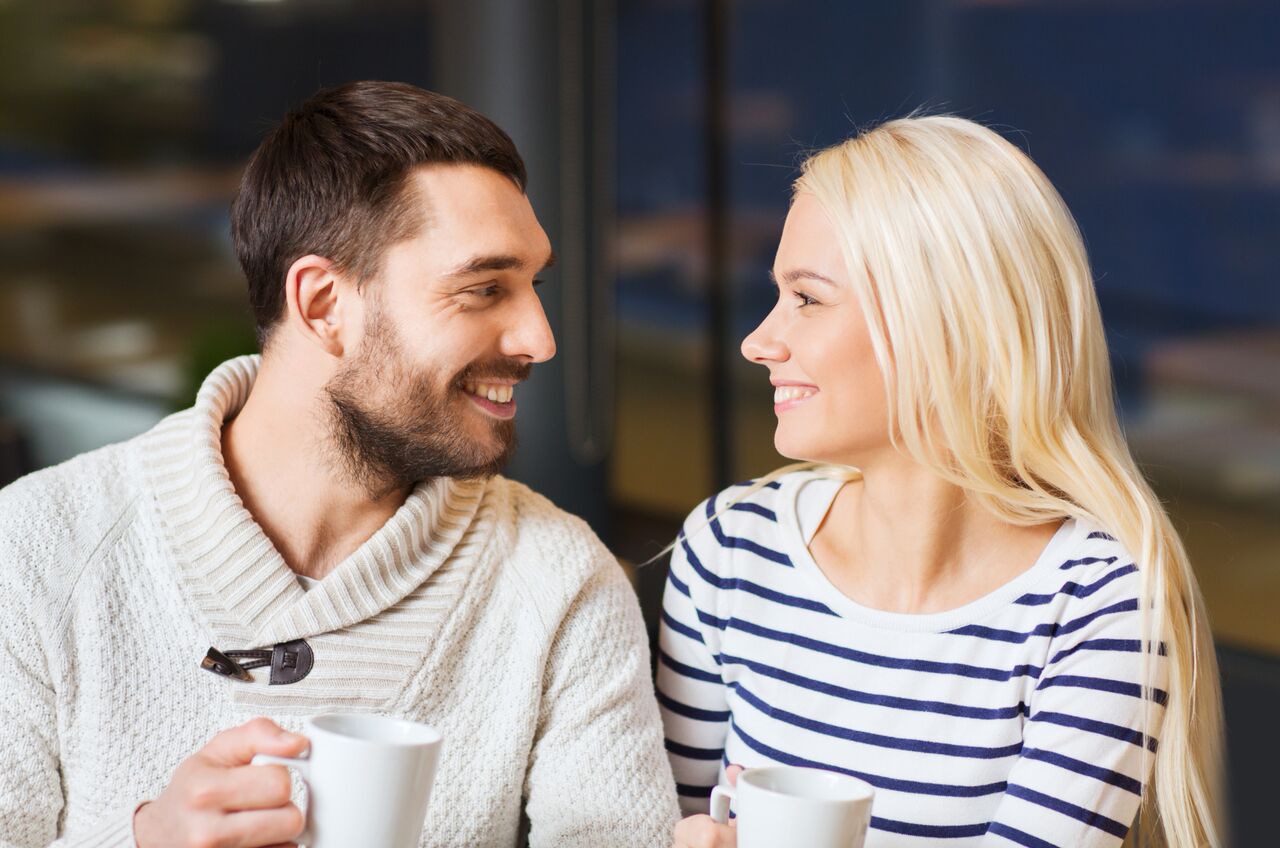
[[233, 573]]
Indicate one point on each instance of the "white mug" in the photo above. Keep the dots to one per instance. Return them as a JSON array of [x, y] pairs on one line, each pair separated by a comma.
[[789, 805], [368, 780]]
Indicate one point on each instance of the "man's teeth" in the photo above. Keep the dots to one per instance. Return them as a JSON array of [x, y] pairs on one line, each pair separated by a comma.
[[494, 392], [782, 394]]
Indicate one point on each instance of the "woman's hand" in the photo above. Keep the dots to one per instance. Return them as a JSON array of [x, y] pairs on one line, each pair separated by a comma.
[[706, 832]]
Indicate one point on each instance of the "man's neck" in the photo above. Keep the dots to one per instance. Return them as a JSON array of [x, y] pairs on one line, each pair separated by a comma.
[[278, 453]]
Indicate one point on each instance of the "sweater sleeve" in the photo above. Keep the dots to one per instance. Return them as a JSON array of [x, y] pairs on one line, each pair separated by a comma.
[[30, 780], [30, 789], [597, 774], [31, 799], [1078, 779], [691, 694]]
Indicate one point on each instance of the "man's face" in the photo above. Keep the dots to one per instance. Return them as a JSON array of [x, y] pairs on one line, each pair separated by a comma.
[[452, 324]]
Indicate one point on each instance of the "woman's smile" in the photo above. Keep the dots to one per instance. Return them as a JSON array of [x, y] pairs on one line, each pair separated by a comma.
[[788, 395]]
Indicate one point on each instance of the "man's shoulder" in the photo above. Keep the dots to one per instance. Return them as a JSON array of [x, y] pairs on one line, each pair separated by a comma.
[[532, 515], [54, 519], [548, 545]]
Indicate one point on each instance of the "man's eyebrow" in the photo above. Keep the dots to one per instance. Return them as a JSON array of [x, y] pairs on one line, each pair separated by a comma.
[[495, 262], [796, 275]]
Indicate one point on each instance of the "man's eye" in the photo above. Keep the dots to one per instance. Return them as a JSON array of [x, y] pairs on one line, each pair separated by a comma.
[[484, 291]]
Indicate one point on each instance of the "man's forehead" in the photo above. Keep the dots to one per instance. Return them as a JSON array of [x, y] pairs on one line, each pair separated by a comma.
[[471, 212]]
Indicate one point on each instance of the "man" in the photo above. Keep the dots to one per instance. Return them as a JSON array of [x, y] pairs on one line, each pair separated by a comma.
[[332, 509]]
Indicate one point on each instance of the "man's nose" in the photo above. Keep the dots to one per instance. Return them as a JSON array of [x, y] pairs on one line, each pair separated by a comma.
[[530, 339]]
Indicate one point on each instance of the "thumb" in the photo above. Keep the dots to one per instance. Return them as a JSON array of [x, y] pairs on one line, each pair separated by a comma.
[[237, 746], [731, 774]]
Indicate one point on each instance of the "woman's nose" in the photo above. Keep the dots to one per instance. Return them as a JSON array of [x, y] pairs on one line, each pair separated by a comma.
[[763, 345]]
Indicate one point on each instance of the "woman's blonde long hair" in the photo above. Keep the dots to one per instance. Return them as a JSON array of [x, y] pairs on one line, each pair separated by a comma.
[[976, 287]]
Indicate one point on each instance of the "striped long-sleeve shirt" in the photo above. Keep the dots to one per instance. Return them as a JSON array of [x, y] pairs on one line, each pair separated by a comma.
[[1014, 719]]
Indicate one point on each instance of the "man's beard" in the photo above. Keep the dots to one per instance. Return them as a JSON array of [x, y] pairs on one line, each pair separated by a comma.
[[418, 433]]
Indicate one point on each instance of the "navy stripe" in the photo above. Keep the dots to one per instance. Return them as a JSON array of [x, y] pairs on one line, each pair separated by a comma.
[[1125, 645], [878, 781], [689, 752], [1080, 814], [1054, 629], [682, 629], [930, 831], [1098, 534], [1021, 838], [729, 584], [762, 511], [727, 541], [892, 701], [687, 670], [772, 484], [1102, 728], [688, 711], [931, 666], [1072, 563], [680, 585], [687, 791], [1122, 781], [921, 746], [1102, 684], [1075, 589]]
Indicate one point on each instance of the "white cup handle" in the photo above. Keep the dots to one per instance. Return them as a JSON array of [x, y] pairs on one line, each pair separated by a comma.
[[304, 769], [721, 798]]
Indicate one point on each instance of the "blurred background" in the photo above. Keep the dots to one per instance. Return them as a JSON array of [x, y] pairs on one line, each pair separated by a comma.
[[661, 138]]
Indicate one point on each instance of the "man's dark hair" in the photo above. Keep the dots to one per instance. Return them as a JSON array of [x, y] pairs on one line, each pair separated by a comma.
[[333, 179]]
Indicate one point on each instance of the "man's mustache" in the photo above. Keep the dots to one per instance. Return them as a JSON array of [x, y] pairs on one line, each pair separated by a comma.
[[498, 369]]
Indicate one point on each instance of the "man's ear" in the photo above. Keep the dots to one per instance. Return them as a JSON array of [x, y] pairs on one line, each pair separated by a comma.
[[321, 305]]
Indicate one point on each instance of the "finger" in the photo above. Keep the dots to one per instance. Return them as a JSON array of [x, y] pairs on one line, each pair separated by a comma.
[[703, 832], [247, 787], [731, 773], [261, 828], [237, 746]]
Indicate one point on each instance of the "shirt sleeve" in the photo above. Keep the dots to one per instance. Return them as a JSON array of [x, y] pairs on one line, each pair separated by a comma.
[[691, 694], [1085, 755], [598, 775]]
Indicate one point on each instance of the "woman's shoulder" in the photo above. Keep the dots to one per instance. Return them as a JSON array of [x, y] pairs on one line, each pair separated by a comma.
[[1093, 575], [765, 497]]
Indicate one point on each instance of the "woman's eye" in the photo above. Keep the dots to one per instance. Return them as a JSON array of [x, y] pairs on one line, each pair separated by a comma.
[[805, 300]]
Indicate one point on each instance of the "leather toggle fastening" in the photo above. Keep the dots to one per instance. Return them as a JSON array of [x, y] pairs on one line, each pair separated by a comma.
[[289, 661]]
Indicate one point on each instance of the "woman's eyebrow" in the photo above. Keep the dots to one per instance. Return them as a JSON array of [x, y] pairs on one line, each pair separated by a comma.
[[797, 274]]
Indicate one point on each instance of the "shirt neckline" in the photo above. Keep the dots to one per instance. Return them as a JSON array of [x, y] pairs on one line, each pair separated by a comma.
[[1064, 539]]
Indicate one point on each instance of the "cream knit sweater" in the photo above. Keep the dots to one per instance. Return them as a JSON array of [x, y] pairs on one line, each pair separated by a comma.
[[478, 608]]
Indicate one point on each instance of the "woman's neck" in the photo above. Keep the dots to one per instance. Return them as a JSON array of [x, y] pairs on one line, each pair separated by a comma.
[[903, 540]]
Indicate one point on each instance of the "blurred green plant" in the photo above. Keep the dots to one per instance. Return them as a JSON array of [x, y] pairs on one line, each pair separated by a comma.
[[213, 343]]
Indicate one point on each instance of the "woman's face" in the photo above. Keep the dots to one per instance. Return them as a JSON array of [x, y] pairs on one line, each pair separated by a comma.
[[828, 390]]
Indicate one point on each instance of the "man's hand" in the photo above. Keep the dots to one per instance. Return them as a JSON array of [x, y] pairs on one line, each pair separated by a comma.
[[706, 832], [217, 800]]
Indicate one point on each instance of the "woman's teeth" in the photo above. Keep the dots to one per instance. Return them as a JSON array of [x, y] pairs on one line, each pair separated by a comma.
[[782, 394], [494, 392]]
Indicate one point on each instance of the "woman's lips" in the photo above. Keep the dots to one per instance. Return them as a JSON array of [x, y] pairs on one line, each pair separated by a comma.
[[789, 396]]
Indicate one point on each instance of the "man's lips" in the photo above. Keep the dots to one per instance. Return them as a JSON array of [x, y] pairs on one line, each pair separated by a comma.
[[495, 390], [494, 397]]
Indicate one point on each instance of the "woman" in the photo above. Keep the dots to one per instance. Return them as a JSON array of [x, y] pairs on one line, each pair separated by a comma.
[[951, 597]]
